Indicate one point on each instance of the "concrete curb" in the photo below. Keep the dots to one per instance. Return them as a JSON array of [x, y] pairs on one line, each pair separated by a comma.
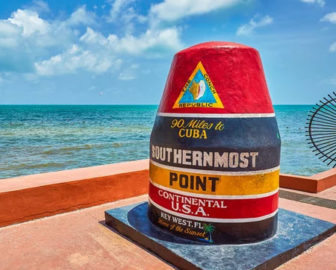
[[313, 184], [34, 196]]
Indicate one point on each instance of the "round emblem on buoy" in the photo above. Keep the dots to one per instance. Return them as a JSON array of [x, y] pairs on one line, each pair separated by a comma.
[[215, 148]]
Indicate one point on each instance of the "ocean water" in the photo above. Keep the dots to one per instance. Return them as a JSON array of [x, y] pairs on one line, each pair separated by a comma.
[[36, 139]]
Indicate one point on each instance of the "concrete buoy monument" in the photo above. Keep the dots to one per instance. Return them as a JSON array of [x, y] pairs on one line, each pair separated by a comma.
[[215, 148], [214, 170]]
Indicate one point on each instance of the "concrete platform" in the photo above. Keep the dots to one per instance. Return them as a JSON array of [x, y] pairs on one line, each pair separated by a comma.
[[52, 237], [75, 240], [295, 234], [80, 240]]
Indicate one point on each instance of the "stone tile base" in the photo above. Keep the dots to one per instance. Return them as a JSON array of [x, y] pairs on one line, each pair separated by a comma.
[[296, 233]]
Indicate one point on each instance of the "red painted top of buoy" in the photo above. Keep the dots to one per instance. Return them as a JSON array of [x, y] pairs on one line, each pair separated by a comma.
[[234, 70]]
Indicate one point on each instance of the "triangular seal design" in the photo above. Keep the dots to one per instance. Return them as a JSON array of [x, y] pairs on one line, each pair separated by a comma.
[[198, 92]]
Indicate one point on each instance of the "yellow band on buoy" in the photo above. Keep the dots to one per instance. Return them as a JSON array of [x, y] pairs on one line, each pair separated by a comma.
[[214, 184]]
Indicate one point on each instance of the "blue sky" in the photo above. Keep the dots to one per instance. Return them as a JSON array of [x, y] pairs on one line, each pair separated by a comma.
[[120, 51]]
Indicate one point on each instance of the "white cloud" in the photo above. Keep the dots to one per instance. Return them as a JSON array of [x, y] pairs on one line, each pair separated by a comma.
[[163, 38], [97, 53], [25, 38], [8, 35], [249, 28], [92, 37], [116, 7], [151, 39], [171, 10], [129, 18], [124, 16], [39, 6], [29, 21], [330, 17], [81, 16], [72, 60], [129, 73], [332, 47], [30, 44], [127, 76], [318, 2], [7, 28]]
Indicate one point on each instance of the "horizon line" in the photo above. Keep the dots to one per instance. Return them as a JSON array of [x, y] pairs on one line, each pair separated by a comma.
[[60, 104]]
